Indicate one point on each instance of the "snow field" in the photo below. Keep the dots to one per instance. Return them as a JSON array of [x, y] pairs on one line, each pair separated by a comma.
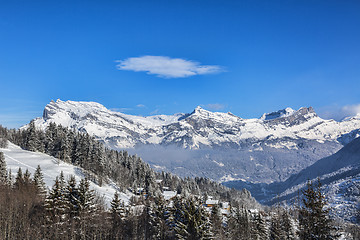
[[51, 167]]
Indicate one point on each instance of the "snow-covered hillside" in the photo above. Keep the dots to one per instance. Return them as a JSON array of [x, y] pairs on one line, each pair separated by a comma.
[[51, 167], [338, 173]]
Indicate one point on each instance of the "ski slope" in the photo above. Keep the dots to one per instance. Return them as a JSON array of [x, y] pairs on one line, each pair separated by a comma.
[[51, 167]]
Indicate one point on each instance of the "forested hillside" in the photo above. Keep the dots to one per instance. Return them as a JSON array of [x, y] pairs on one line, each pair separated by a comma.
[[72, 210], [127, 171]]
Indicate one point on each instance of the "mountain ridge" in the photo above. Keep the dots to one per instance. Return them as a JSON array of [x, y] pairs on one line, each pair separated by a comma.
[[217, 145], [200, 128]]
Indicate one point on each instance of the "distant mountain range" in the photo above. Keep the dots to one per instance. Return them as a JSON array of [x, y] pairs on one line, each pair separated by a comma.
[[217, 145]]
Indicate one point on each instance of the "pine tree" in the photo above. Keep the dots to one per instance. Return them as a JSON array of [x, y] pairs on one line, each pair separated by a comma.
[[56, 207], [259, 230], [149, 182], [87, 208], [27, 179], [117, 207], [314, 219], [72, 198], [146, 220], [287, 226], [62, 180], [276, 231], [160, 218], [3, 171], [38, 180], [3, 138], [49, 139], [32, 141], [19, 180], [56, 204], [239, 223], [217, 222], [10, 179], [118, 215], [86, 196], [64, 148], [191, 220]]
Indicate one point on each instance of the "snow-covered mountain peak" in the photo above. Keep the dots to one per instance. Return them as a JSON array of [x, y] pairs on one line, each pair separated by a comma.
[[76, 109], [200, 111], [204, 118], [354, 117], [278, 114]]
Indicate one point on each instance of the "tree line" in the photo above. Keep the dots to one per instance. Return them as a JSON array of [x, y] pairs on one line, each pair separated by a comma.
[[71, 210]]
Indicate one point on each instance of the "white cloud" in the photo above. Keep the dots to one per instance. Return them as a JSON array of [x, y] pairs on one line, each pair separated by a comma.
[[140, 106], [215, 106], [351, 109], [167, 67], [339, 113]]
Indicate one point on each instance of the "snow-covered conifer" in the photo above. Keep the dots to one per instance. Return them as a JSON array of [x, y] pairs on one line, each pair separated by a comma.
[[314, 219], [117, 207], [27, 179], [32, 140], [259, 227], [87, 203], [38, 180], [19, 179], [239, 223], [3, 170], [56, 203], [72, 197], [62, 180], [217, 222], [191, 220]]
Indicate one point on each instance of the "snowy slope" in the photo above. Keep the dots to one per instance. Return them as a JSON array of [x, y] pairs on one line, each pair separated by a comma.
[[339, 175], [51, 167]]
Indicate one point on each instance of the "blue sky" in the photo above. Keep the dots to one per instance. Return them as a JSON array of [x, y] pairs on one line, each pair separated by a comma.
[[164, 57]]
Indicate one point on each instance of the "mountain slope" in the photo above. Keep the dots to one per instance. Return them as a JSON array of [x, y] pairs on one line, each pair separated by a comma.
[[339, 174], [51, 167], [221, 146]]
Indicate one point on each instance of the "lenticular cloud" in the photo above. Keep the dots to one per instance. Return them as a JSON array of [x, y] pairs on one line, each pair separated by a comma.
[[166, 67]]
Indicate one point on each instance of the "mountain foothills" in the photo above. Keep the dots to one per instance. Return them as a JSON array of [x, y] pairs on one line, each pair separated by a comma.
[[220, 146]]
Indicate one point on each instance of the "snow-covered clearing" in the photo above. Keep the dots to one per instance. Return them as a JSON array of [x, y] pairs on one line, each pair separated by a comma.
[[51, 167]]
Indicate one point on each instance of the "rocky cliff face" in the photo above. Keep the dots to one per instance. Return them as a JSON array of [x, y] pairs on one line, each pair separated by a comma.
[[218, 145]]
